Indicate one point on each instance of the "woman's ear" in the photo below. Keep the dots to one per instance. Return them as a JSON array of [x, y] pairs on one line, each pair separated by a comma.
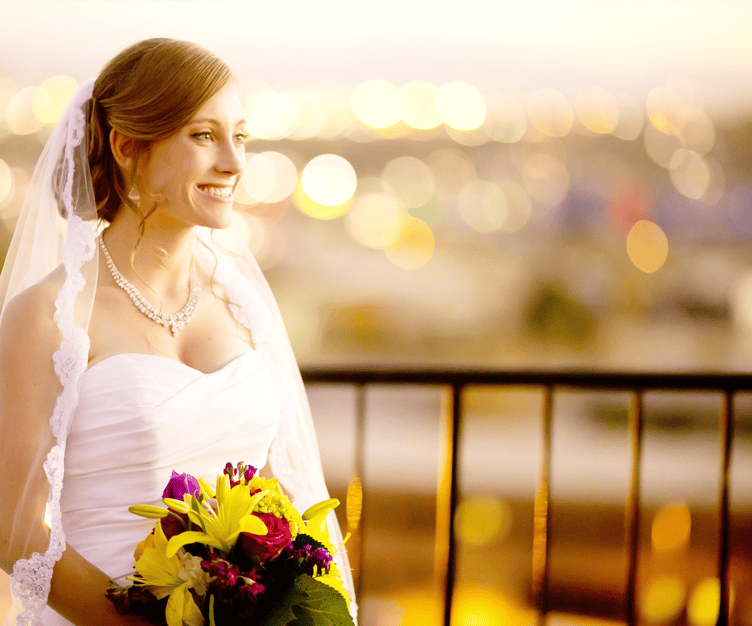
[[123, 148]]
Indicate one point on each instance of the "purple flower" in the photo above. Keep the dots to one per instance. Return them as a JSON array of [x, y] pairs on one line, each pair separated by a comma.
[[179, 485], [322, 558]]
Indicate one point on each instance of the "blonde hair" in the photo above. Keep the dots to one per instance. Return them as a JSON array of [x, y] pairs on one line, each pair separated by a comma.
[[147, 92]]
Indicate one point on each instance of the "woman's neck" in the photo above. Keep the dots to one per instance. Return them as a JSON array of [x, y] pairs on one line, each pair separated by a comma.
[[159, 259]]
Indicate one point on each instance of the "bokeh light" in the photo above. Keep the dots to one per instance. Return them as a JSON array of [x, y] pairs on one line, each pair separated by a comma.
[[460, 106], [8, 89], [481, 606], [705, 601], [483, 206], [433, 213], [312, 115], [482, 521], [329, 180], [665, 110], [339, 117], [258, 180], [409, 179], [545, 179], [269, 177], [6, 182], [671, 527], [519, 206], [698, 132], [378, 103], [717, 185], [414, 245], [647, 246], [660, 147], [507, 121], [550, 112], [354, 503], [689, 173], [265, 238], [52, 96], [375, 220], [319, 211], [271, 115], [452, 169], [662, 600], [420, 110], [631, 118], [597, 109], [10, 209], [19, 114], [471, 138]]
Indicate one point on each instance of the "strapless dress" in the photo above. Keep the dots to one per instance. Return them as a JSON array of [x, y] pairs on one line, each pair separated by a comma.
[[140, 417]]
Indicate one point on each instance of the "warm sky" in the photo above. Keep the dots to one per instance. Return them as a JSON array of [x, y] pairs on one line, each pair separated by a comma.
[[627, 45]]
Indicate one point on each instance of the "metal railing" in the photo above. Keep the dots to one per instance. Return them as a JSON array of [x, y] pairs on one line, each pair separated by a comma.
[[457, 381]]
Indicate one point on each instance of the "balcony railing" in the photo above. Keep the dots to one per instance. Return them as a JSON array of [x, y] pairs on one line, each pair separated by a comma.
[[456, 382]]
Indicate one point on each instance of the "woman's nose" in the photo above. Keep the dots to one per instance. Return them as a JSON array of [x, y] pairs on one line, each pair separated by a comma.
[[231, 158]]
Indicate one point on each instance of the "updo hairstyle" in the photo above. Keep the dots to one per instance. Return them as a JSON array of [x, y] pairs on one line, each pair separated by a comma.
[[147, 92]]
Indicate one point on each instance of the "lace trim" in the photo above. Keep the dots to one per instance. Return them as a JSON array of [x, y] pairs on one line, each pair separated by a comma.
[[31, 577]]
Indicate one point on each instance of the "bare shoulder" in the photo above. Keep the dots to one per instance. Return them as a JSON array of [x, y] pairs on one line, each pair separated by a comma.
[[28, 331]]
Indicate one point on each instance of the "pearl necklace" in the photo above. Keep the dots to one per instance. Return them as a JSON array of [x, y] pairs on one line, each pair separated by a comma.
[[174, 323]]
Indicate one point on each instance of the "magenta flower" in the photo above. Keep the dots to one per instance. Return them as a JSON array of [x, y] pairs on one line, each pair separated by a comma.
[[179, 485], [267, 547]]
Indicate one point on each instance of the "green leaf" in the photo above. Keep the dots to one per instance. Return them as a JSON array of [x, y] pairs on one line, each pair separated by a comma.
[[321, 605]]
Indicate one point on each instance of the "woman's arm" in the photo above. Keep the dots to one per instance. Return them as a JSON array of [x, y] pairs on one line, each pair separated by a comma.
[[77, 593], [28, 390]]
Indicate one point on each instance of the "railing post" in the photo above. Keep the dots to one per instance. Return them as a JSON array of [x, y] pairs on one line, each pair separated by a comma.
[[632, 514], [356, 508], [445, 560], [727, 433], [542, 514]]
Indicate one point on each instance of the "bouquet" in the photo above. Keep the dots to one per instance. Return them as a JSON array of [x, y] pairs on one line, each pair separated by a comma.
[[239, 553]]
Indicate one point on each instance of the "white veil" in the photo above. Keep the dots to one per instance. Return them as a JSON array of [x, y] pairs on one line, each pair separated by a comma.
[[58, 226]]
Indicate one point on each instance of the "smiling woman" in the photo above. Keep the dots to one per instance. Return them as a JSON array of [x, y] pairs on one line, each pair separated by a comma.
[[191, 175], [101, 382]]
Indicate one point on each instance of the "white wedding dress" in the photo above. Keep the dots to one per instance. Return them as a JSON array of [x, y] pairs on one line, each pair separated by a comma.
[[141, 416]]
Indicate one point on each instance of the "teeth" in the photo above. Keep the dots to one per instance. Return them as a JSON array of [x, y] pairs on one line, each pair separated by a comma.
[[220, 192]]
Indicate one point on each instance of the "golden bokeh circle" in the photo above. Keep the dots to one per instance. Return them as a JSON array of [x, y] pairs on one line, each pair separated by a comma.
[[647, 246]]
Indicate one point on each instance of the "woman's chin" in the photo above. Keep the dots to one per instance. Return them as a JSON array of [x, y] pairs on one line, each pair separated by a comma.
[[218, 220]]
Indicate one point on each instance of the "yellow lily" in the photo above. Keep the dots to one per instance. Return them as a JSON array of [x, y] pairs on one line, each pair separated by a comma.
[[221, 529], [148, 511], [182, 610], [170, 576], [321, 507], [317, 528]]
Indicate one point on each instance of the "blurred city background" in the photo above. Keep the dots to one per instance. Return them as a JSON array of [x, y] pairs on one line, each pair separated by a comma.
[[486, 184]]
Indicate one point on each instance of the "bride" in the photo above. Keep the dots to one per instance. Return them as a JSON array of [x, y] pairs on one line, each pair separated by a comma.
[[138, 335]]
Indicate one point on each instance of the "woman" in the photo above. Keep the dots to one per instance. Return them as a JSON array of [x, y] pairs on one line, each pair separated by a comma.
[[97, 384]]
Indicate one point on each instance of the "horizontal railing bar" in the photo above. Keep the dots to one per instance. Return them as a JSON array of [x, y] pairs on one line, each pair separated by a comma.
[[592, 380]]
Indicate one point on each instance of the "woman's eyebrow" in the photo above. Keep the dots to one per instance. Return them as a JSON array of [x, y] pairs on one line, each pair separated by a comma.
[[209, 120]]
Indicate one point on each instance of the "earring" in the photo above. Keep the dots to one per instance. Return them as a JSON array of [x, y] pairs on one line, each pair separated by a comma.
[[133, 194]]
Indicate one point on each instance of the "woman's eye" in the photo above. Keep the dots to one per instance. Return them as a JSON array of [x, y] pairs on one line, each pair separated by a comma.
[[204, 136], [242, 137]]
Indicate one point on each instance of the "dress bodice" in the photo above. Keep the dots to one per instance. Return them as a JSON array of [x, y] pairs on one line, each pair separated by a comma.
[[141, 416]]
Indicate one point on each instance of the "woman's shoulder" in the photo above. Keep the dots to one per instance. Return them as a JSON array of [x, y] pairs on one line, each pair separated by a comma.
[[27, 320]]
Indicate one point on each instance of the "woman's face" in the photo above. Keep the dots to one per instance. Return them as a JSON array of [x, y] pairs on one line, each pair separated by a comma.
[[192, 175]]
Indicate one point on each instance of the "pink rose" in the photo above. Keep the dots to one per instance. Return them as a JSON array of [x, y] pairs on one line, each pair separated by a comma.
[[267, 547]]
